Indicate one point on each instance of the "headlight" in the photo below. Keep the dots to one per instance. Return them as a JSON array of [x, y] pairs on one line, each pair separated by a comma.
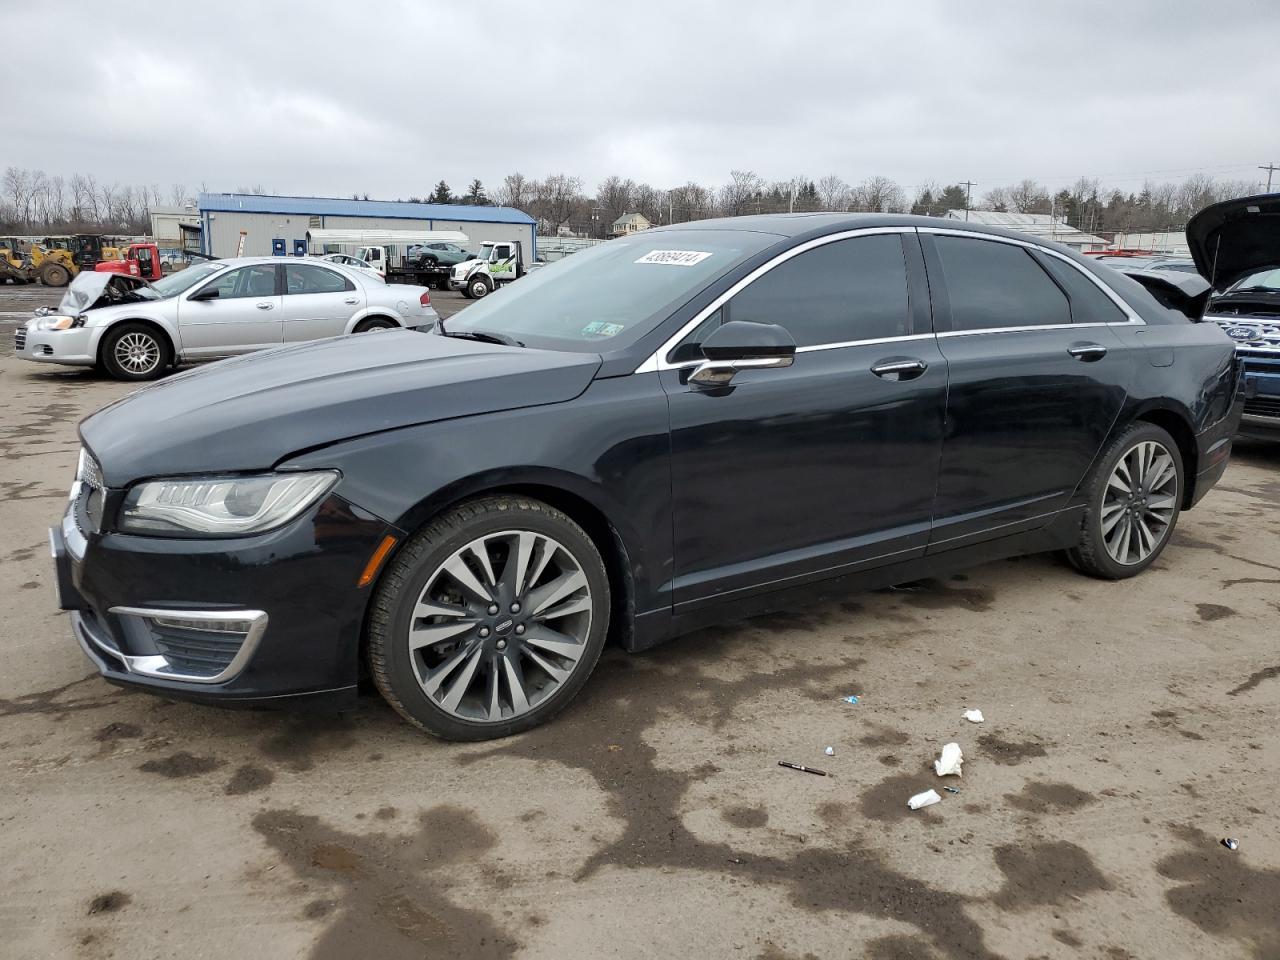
[[222, 506], [55, 323]]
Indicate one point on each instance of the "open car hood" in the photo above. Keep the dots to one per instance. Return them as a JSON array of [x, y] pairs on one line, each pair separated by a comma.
[[93, 288], [1235, 237]]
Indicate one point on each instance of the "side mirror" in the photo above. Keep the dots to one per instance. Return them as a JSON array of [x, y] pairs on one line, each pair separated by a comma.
[[740, 345], [208, 293]]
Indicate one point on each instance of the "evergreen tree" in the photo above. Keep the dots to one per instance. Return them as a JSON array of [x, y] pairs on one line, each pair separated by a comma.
[[475, 195], [441, 194]]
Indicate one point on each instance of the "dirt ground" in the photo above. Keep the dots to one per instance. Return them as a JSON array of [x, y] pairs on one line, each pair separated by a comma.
[[1129, 727]]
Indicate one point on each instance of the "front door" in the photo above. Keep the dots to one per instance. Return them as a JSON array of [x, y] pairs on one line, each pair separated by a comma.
[[502, 262], [822, 467], [244, 316], [318, 302], [1038, 378]]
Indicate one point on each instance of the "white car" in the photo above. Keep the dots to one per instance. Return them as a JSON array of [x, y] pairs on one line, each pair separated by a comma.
[[353, 263], [136, 331]]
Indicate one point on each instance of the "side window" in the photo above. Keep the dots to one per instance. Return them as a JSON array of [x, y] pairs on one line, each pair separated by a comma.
[[306, 278], [853, 289], [993, 285], [258, 280], [501, 252], [1088, 303]]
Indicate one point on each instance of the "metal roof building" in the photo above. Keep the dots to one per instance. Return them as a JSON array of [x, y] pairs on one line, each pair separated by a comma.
[[1038, 225], [272, 224]]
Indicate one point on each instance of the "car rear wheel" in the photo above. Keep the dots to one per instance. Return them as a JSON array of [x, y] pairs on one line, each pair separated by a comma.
[[478, 288], [134, 351], [374, 323], [1134, 498], [489, 620]]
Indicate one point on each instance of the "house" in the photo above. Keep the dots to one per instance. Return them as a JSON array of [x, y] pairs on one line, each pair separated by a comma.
[[630, 223], [1038, 225]]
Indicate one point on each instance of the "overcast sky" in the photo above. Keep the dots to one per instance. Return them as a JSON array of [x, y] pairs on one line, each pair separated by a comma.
[[331, 98]]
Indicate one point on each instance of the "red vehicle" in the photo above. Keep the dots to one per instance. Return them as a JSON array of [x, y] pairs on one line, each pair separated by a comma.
[[140, 260]]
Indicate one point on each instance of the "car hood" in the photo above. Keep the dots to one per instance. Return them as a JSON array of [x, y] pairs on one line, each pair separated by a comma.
[[251, 412], [1235, 237]]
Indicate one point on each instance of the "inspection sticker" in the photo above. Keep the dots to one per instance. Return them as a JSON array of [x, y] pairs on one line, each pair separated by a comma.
[[674, 258]]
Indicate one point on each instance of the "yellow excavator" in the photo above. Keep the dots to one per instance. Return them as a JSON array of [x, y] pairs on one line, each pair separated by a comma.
[[59, 259], [14, 263]]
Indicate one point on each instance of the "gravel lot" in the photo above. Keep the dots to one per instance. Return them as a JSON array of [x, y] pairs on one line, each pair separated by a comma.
[[1128, 728]]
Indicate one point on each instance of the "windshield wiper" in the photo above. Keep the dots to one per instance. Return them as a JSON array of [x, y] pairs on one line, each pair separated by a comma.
[[484, 336]]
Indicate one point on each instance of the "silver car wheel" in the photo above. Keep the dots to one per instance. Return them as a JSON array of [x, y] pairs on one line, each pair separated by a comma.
[[500, 626], [1139, 502], [137, 353]]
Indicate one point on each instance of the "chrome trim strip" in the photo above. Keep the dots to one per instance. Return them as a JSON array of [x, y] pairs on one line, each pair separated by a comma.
[[1030, 328], [862, 343], [1134, 319], [657, 360], [158, 667]]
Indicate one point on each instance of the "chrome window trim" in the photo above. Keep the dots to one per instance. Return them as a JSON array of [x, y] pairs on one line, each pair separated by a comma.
[[1133, 321], [862, 343], [157, 666], [658, 359]]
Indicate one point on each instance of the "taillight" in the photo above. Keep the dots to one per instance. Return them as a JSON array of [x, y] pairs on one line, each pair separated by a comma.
[[425, 299]]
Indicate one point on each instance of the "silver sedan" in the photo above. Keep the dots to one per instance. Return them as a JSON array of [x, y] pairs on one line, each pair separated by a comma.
[[220, 308]]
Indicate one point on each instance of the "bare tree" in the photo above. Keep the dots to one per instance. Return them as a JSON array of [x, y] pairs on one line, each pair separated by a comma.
[[1027, 196], [833, 193], [554, 199], [690, 202], [17, 187], [879, 195], [741, 193], [996, 199], [178, 195], [650, 202], [516, 191], [615, 197]]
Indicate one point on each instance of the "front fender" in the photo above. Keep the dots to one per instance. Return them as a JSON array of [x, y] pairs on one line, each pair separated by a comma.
[[98, 327]]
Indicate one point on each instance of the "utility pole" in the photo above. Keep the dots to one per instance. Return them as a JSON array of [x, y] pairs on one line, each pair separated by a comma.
[[968, 196], [1270, 168]]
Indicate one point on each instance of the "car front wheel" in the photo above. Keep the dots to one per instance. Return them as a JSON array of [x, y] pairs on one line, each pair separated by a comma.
[[134, 351], [489, 620], [1134, 498]]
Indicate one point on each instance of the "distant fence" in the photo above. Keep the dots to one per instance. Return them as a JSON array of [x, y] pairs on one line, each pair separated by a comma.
[[557, 248]]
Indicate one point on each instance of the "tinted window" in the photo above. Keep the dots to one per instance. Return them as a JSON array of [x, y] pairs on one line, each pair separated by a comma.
[[997, 285], [852, 289], [256, 281], [305, 278], [1088, 303]]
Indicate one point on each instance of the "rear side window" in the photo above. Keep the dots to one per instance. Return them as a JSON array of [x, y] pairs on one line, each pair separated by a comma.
[[993, 285], [305, 278], [1088, 303], [853, 289]]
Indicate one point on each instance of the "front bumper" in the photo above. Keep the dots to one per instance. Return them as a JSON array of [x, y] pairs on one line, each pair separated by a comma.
[[54, 346], [141, 608], [1261, 371]]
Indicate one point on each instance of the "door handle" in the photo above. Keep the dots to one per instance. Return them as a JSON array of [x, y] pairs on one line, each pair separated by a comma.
[[351, 300], [1087, 352], [266, 306], [904, 368]]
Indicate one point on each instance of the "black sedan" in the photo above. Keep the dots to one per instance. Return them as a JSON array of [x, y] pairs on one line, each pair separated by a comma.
[[688, 425]]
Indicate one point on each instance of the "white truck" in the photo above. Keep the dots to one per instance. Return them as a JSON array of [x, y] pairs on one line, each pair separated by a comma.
[[498, 262], [395, 255]]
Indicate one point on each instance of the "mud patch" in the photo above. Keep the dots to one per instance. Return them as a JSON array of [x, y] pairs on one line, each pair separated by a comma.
[[248, 778], [387, 813], [1008, 753], [297, 745], [1067, 937], [747, 818], [1209, 612], [1049, 797], [394, 899], [1046, 873], [1270, 673], [117, 731], [936, 595], [1221, 894], [181, 765], [883, 736], [109, 902], [52, 702], [887, 800]]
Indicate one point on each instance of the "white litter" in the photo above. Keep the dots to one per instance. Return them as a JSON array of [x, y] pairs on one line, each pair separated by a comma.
[[926, 799], [973, 716], [949, 763], [830, 751]]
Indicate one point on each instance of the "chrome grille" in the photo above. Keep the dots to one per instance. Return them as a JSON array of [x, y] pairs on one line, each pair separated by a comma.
[[1251, 335], [1262, 407]]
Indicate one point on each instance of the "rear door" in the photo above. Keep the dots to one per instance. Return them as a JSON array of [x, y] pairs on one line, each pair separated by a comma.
[[1037, 378], [830, 464], [318, 302], [245, 315]]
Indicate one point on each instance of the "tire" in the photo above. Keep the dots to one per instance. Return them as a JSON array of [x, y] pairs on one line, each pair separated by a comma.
[[1149, 512], [478, 288], [54, 275], [135, 352], [374, 323], [489, 654]]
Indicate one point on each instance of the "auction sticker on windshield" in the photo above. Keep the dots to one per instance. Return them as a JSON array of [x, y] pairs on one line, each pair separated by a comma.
[[674, 258]]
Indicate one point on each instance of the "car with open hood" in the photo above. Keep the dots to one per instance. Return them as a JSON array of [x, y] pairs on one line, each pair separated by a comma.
[[133, 330], [688, 425], [1236, 246]]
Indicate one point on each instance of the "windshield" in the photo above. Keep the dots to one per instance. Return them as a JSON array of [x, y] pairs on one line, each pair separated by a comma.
[[611, 295], [1268, 279], [175, 283]]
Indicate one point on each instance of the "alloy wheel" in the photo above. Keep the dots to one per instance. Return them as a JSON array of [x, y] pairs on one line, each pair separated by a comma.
[[137, 353], [1139, 502], [500, 626]]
